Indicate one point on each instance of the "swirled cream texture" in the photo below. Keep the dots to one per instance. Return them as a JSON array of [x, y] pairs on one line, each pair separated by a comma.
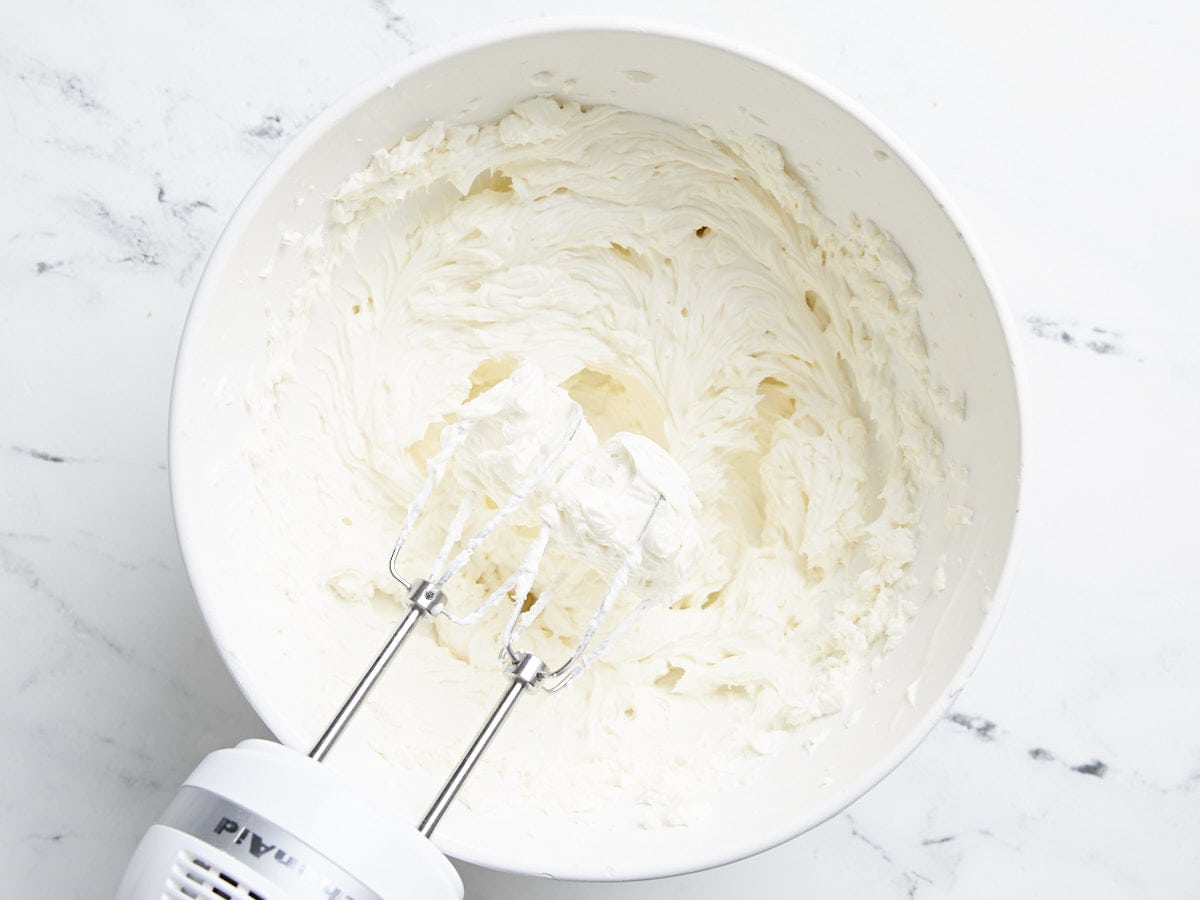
[[682, 289]]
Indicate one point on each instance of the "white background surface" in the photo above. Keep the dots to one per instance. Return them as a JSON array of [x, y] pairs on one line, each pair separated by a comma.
[[1066, 132]]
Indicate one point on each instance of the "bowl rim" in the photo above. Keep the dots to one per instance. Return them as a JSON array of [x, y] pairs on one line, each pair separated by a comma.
[[740, 844]]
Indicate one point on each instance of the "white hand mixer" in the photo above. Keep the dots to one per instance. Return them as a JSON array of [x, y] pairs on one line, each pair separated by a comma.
[[261, 821]]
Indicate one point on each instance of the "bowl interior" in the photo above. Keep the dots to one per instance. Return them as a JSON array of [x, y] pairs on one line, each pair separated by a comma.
[[270, 648]]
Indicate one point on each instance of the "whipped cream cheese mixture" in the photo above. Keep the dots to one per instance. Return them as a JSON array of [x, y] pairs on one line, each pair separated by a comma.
[[730, 348]]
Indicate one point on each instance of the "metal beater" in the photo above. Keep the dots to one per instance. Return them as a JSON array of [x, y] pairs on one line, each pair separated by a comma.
[[427, 599]]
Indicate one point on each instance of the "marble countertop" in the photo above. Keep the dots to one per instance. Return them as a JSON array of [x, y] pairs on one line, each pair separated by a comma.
[[1067, 132]]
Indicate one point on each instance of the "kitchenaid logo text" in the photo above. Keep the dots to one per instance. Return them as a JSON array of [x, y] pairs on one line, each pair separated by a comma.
[[256, 846]]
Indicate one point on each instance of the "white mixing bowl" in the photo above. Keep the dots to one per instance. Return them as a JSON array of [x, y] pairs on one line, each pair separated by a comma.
[[852, 166]]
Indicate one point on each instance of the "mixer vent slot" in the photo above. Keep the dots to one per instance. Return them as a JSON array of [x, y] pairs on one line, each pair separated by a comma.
[[192, 878]]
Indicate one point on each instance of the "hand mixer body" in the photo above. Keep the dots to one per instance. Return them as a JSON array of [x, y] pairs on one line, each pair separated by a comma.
[[247, 825]]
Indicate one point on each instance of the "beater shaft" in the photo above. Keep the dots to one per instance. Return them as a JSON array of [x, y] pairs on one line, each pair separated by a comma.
[[423, 599], [524, 674]]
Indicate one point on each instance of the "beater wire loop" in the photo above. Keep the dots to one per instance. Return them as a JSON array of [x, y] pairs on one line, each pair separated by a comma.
[[443, 572], [554, 680]]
